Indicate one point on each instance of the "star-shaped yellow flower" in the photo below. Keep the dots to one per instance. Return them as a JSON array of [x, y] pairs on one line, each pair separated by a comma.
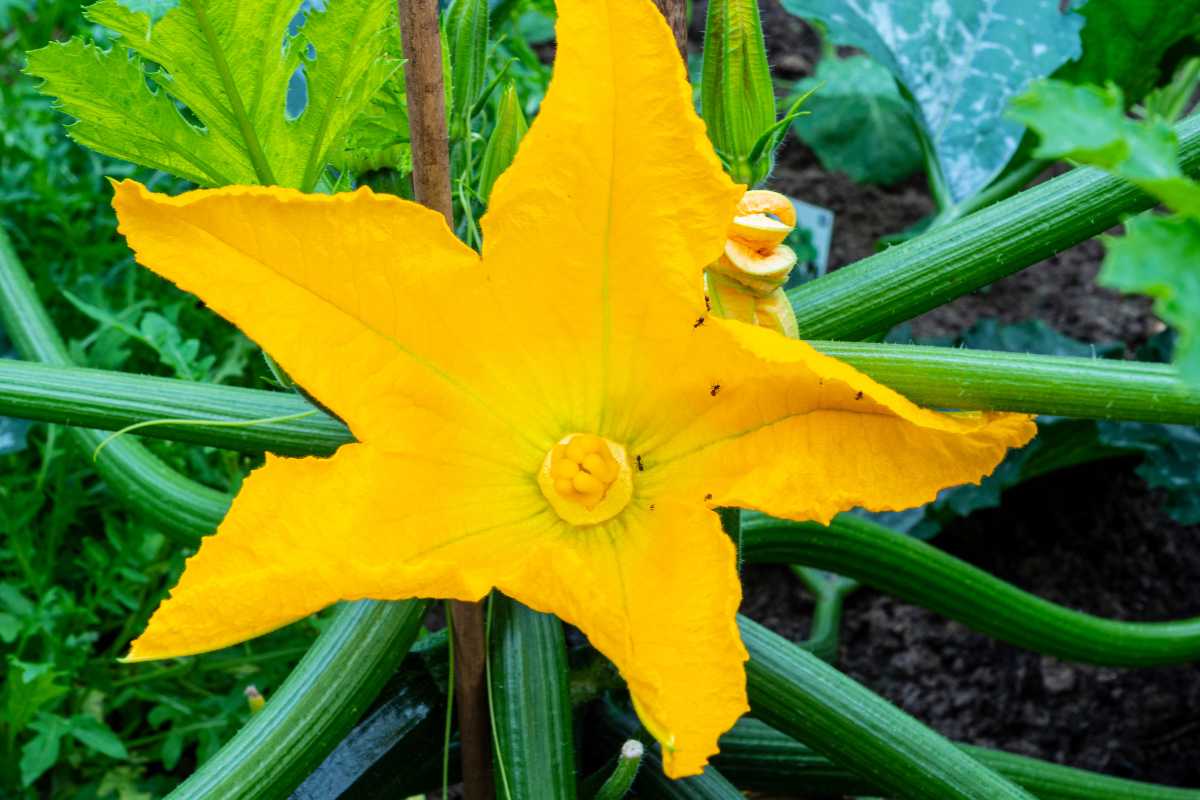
[[556, 420]]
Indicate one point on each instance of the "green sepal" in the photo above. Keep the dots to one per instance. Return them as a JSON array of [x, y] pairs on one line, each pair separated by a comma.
[[506, 137]]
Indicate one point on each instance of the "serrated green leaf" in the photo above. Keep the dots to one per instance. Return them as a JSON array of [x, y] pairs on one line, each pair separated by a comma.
[[27, 689], [1124, 42], [1089, 125], [860, 124], [379, 137], [961, 61], [1157, 256], [229, 65]]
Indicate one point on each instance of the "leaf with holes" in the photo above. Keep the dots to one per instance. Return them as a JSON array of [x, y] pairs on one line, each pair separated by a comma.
[[221, 92], [961, 61]]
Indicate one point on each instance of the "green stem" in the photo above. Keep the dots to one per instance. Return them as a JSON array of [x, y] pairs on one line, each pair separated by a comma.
[[262, 169], [314, 708], [797, 693], [934, 268], [175, 504], [616, 727], [919, 573], [111, 400], [531, 706], [948, 377], [829, 594], [760, 758], [935, 376]]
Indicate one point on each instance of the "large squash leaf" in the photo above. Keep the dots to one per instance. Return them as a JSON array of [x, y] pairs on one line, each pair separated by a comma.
[[961, 62], [203, 92]]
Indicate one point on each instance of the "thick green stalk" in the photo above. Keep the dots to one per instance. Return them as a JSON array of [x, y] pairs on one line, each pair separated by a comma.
[[758, 757], [936, 376], [531, 704], [797, 693], [112, 400], [936, 267], [176, 504], [314, 708], [919, 573], [950, 377]]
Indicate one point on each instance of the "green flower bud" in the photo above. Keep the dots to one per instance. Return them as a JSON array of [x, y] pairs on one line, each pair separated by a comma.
[[466, 28], [502, 146], [737, 98]]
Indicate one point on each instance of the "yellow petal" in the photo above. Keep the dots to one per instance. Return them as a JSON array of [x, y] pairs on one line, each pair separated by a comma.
[[656, 590], [614, 204], [800, 435], [359, 296], [304, 533]]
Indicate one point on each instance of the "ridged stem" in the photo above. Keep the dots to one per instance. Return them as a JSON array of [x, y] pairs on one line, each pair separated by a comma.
[[758, 757], [531, 704], [797, 693], [934, 376], [314, 708], [921, 574], [179, 506], [932, 269]]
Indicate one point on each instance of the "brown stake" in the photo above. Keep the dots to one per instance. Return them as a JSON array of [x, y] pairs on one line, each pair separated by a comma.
[[676, 13], [431, 185], [426, 104]]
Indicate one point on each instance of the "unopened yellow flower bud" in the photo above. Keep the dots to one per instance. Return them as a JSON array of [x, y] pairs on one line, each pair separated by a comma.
[[746, 282]]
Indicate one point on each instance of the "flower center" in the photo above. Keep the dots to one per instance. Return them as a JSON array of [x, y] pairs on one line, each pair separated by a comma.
[[586, 478]]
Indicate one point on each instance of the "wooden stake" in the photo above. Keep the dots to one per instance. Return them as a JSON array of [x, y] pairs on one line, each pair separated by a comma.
[[431, 185], [676, 13]]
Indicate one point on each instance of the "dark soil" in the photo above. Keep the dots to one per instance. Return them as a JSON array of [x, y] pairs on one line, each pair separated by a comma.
[[1092, 538]]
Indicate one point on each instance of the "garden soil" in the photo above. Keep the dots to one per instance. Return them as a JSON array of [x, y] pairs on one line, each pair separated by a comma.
[[1093, 538]]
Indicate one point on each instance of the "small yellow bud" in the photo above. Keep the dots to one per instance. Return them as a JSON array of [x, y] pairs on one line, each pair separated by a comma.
[[254, 699]]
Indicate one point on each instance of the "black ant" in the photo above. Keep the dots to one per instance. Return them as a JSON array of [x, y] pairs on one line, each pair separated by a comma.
[[699, 322], [639, 464], [716, 387]]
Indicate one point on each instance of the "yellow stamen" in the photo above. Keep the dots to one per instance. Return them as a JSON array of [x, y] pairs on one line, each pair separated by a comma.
[[586, 478]]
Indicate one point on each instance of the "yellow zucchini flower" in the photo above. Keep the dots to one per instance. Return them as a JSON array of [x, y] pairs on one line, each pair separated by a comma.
[[556, 419], [746, 282]]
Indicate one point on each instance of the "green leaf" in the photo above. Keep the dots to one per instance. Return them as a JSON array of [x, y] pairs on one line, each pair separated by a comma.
[[41, 752], [95, 735], [860, 124], [961, 61], [27, 689], [203, 92], [1158, 257], [1088, 124], [1124, 41], [379, 137]]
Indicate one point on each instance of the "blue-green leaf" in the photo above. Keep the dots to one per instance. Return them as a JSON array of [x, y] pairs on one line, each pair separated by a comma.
[[961, 61]]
